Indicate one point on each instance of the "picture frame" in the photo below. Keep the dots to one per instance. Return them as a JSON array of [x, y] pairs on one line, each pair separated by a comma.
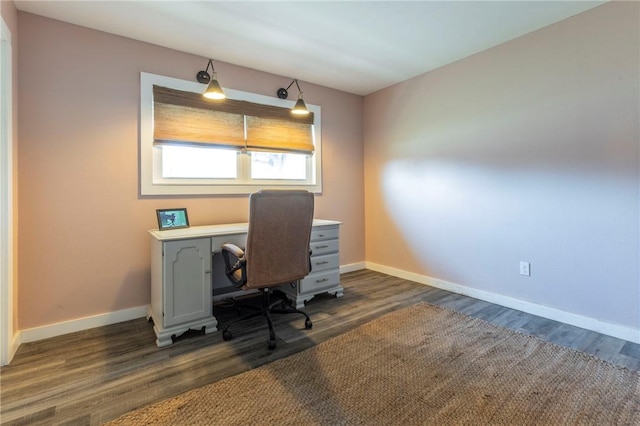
[[172, 218]]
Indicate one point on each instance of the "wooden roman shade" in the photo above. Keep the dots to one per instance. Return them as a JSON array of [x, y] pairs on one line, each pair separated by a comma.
[[187, 118], [270, 135]]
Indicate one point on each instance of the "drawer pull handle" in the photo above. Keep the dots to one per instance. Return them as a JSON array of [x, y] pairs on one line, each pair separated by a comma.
[[321, 247], [322, 263], [322, 280], [320, 235]]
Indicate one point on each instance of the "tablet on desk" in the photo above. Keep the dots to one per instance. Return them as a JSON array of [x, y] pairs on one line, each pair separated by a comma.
[[172, 219]]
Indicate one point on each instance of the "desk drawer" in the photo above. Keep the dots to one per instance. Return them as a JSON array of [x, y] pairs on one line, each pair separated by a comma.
[[324, 233], [319, 280], [323, 247], [322, 263]]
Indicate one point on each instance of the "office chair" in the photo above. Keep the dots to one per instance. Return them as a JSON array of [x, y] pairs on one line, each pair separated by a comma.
[[277, 252]]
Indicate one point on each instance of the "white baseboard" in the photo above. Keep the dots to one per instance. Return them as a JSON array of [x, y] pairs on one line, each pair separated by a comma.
[[611, 329], [13, 346], [351, 267], [71, 326]]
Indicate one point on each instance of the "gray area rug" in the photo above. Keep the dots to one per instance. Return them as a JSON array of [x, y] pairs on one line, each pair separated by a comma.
[[419, 365]]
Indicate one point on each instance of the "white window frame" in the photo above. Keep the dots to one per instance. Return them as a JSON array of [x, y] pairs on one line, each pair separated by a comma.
[[8, 341], [151, 183]]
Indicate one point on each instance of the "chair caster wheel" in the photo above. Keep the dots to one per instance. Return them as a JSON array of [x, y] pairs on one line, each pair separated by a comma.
[[308, 324], [226, 335], [272, 344]]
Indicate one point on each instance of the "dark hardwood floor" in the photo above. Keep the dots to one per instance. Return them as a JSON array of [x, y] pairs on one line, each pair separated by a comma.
[[96, 375]]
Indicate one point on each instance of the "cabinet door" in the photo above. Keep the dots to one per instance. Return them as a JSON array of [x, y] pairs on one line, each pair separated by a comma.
[[187, 283]]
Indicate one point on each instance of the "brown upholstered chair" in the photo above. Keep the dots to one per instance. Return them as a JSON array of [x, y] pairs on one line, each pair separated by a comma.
[[277, 252]]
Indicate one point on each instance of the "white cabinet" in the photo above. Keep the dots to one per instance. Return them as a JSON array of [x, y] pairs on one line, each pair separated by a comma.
[[180, 287], [325, 267]]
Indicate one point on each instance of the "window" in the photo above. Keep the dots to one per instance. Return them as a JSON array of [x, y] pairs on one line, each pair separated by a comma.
[[278, 166], [239, 153], [191, 162]]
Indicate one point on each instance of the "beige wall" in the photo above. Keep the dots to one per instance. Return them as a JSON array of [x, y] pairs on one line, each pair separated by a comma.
[[83, 243], [527, 151]]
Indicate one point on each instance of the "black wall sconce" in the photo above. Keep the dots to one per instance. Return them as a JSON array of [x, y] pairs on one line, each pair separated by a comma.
[[300, 107], [213, 90]]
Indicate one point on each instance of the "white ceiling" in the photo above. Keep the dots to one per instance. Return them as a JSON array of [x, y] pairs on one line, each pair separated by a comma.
[[354, 46]]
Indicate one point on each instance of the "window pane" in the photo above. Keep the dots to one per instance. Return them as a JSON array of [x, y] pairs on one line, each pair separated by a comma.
[[266, 165], [195, 162]]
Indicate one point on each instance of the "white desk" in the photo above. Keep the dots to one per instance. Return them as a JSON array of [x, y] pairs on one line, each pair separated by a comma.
[[181, 274]]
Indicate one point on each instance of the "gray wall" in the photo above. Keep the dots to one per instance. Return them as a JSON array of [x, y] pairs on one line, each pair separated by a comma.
[[527, 151]]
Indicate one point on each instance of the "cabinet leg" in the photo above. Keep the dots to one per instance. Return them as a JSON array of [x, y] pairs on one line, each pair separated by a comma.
[[166, 336]]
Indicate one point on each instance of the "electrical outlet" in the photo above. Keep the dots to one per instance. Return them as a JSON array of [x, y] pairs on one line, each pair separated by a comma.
[[525, 268]]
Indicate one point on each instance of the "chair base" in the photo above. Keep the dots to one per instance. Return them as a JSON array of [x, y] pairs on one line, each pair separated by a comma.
[[280, 306]]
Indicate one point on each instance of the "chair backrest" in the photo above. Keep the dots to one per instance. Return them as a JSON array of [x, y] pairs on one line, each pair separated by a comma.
[[277, 250]]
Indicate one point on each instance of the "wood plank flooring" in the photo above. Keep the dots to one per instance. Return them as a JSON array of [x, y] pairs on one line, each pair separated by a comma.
[[93, 376]]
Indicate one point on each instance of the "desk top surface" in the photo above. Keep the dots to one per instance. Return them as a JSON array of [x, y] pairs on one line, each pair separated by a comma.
[[213, 230]]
